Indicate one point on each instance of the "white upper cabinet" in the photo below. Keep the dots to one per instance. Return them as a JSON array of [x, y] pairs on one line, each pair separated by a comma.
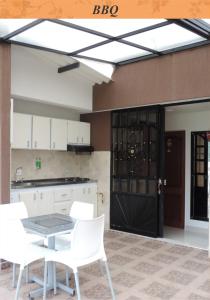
[[85, 133], [58, 134], [41, 133], [78, 133], [73, 132], [21, 133]]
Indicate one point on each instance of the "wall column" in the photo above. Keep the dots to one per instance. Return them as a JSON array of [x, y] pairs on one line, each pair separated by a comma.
[[5, 85]]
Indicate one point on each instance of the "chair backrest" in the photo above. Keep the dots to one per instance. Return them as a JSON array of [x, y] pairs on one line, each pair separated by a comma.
[[82, 210], [87, 238], [14, 211], [12, 233]]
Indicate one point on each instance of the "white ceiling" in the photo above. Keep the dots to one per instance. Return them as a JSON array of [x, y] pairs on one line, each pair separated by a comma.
[[196, 107]]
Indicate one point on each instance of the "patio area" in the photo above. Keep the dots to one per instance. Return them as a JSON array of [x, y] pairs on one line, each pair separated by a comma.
[[141, 268]]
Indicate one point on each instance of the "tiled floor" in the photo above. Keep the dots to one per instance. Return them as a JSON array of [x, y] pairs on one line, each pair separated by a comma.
[[141, 268], [194, 237]]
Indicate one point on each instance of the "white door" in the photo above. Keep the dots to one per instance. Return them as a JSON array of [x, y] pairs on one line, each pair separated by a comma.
[[58, 134], [85, 133], [41, 133], [21, 131], [73, 132], [45, 202], [29, 198]]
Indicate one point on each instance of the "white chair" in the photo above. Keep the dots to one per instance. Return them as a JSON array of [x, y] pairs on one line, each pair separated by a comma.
[[18, 211], [14, 246], [79, 211], [87, 246]]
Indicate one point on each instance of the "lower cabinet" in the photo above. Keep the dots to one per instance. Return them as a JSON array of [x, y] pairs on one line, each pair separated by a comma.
[[56, 200], [86, 193], [37, 202]]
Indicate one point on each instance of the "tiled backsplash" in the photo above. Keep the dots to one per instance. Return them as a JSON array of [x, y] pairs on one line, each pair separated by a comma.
[[66, 164], [54, 164]]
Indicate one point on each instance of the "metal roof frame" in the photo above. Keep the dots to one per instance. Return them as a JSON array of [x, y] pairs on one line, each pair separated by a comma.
[[196, 26]]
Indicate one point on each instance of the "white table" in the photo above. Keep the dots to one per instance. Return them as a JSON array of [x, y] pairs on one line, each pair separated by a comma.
[[49, 226]]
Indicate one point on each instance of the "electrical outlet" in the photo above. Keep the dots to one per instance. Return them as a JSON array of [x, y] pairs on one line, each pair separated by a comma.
[[19, 172]]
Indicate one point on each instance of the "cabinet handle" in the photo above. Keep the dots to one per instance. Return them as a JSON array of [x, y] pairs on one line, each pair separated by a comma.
[[88, 190], [35, 144], [41, 196], [63, 195], [28, 144], [53, 145], [77, 139], [82, 139]]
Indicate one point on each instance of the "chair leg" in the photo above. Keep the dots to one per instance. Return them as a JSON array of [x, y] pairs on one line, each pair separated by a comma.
[[45, 281], [77, 285], [67, 278], [54, 278], [19, 283], [13, 275], [27, 274], [109, 280]]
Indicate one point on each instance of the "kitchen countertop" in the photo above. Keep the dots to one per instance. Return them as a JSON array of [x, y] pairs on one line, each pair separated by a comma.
[[27, 184]]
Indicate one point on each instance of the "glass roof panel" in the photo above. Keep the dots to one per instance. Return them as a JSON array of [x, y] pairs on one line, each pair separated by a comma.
[[9, 25], [206, 20], [58, 37], [115, 52], [166, 37], [115, 27]]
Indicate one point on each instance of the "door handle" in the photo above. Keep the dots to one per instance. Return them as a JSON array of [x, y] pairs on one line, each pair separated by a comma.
[[159, 185]]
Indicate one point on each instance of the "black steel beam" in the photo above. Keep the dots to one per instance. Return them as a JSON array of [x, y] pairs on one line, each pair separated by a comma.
[[139, 47], [35, 47], [69, 67], [145, 29], [165, 52], [81, 28], [186, 47], [136, 59], [22, 29], [192, 26], [89, 47], [95, 59]]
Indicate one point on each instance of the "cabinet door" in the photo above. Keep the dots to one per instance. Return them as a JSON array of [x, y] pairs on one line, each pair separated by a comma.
[[58, 134], [45, 202], [41, 133], [73, 132], [79, 193], [84, 136], [62, 207], [30, 200], [21, 131]]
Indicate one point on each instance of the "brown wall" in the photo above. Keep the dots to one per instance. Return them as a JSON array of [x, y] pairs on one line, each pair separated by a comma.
[[178, 76], [100, 129], [5, 83]]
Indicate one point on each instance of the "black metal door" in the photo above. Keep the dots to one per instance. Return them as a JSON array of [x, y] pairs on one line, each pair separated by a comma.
[[199, 175], [136, 173]]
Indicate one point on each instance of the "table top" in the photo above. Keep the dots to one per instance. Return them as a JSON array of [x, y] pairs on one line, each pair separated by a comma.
[[49, 225]]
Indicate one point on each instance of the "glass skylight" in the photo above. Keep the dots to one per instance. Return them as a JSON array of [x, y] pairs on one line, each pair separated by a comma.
[[9, 25], [58, 37], [115, 52], [115, 27], [207, 21], [166, 37]]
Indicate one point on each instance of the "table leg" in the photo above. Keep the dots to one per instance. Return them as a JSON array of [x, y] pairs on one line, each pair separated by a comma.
[[51, 245]]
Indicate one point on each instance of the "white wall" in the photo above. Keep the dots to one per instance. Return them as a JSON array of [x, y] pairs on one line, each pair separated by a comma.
[[45, 110], [188, 121], [37, 79]]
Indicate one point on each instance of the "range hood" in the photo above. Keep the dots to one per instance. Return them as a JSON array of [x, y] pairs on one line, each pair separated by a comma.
[[80, 148]]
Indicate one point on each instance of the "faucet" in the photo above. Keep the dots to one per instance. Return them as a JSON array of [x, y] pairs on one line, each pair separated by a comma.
[[18, 173]]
